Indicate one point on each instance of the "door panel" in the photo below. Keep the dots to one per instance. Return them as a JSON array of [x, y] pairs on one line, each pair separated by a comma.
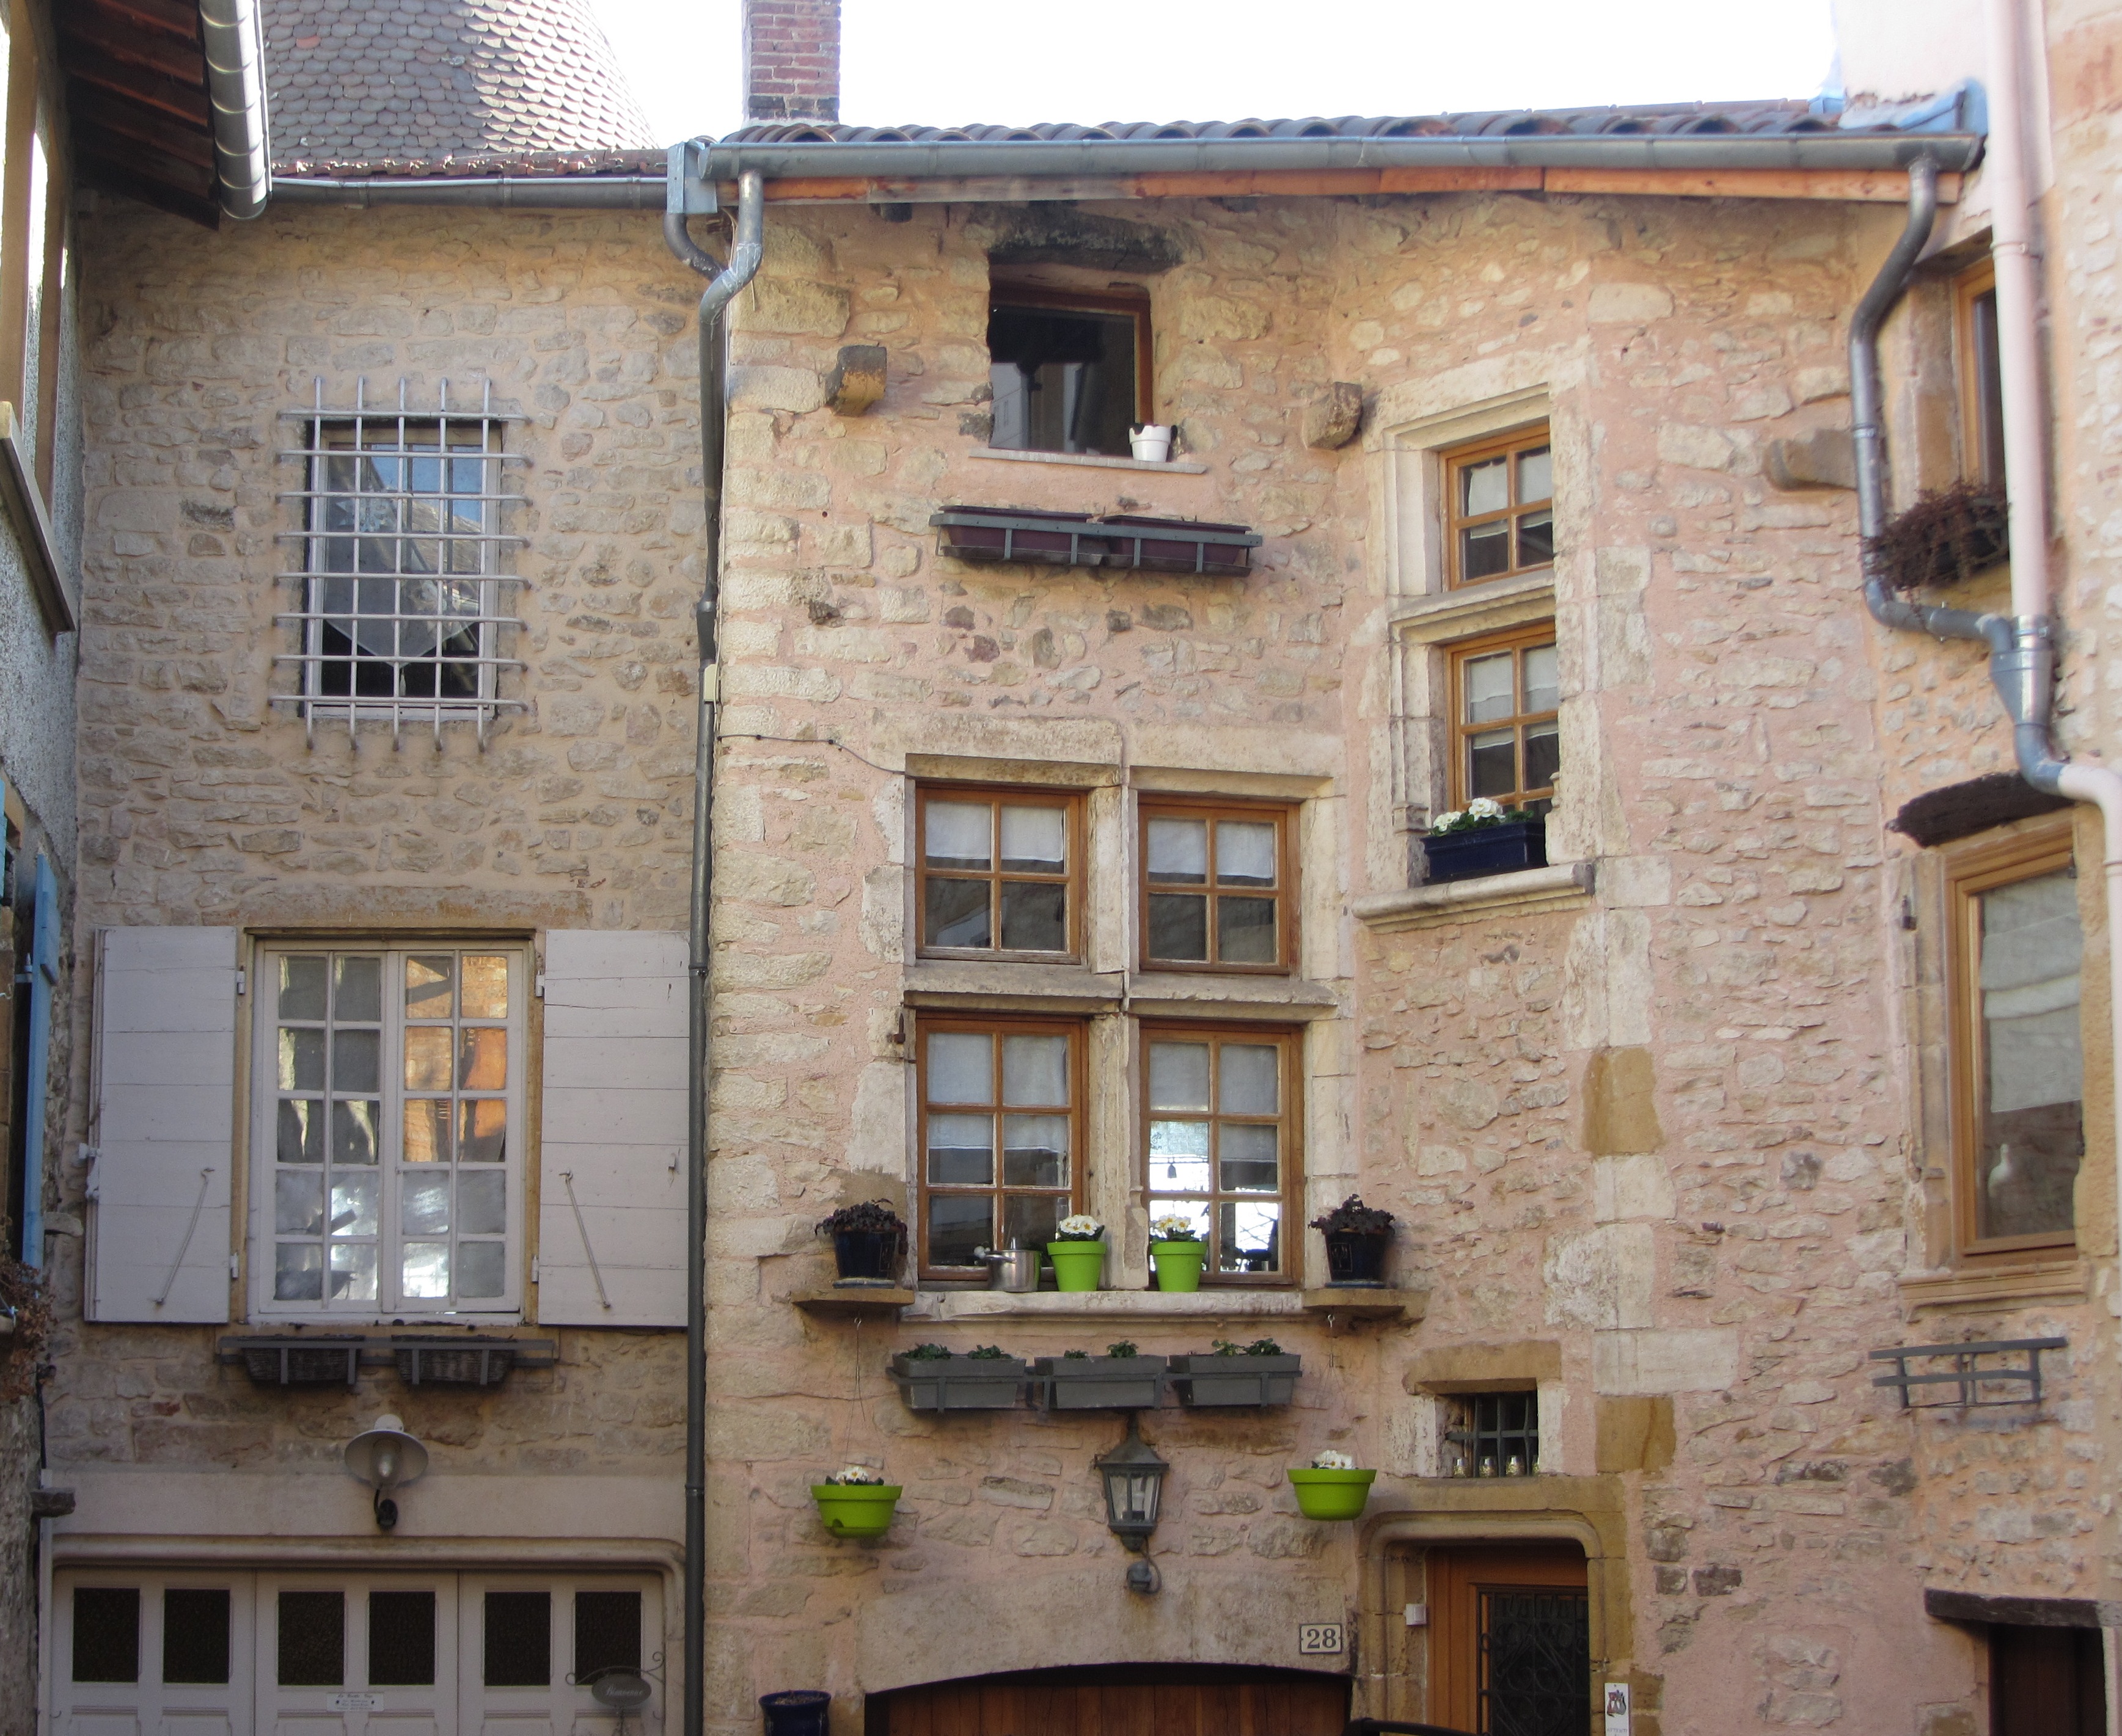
[[1119, 1701], [380, 1642], [2047, 1682], [120, 1627], [1504, 1628]]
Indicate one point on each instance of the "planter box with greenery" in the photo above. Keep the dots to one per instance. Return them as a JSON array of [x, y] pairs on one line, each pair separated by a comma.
[[1253, 1375], [869, 1242], [1078, 1252], [1357, 1238], [930, 1378], [856, 1503], [1176, 1251], [1485, 837], [1119, 1380]]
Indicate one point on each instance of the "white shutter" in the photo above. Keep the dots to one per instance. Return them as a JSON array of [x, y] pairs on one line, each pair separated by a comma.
[[158, 1231], [611, 1178]]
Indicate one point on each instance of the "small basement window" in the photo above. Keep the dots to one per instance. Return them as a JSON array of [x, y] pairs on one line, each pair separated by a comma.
[[1069, 370], [1492, 1434]]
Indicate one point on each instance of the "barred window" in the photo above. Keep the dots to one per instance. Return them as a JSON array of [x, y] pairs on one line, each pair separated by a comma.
[[399, 617]]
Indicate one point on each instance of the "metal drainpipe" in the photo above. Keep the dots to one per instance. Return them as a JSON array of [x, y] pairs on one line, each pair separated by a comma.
[[722, 286]]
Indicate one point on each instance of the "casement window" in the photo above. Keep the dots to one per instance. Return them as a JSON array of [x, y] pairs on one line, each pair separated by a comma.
[[1505, 738], [1001, 1135], [1218, 887], [1221, 1146], [238, 1650], [2017, 1061], [1000, 872], [389, 1131], [400, 583], [1070, 371], [1981, 376], [1499, 507]]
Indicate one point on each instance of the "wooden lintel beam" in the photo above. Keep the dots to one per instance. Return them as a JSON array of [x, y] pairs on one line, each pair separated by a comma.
[[98, 112], [1890, 186]]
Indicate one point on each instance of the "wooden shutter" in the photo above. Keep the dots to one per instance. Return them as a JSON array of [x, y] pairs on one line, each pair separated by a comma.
[[158, 1230], [611, 1205]]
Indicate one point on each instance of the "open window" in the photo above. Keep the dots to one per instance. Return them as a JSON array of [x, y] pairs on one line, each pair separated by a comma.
[[1070, 369], [1981, 376]]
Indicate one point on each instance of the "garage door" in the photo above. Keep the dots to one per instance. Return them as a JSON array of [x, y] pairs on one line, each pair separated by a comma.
[[1120, 1699], [176, 1654]]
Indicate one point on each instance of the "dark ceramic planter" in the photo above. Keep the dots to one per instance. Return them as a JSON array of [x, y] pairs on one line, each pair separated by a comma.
[[1097, 1382], [1357, 1256], [1203, 1381], [960, 1383], [870, 1255], [1504, 849]]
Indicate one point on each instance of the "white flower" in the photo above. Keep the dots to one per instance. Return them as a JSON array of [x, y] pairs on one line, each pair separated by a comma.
[[1173, 1229], [1081, 1226], [1453, 819], [856, 1474], [1330, 1460], [1485, 807]]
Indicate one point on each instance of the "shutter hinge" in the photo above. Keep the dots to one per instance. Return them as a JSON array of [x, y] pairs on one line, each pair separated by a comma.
[[242, 982]]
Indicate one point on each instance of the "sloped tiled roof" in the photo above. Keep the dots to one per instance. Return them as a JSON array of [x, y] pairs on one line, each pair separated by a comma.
[[415, 81]]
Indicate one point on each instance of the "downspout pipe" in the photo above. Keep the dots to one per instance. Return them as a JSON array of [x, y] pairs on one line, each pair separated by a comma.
[[724, 282], [236, 87]]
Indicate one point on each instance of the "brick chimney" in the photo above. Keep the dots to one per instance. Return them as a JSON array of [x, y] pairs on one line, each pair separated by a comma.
[[792, 60]]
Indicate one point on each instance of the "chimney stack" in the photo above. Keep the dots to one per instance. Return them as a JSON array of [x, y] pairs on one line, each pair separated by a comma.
[[792, 60]]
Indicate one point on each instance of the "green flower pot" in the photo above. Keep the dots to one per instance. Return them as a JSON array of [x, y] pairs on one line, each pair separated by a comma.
[[856, 1509], [1178, 1264], [1332, 1494], [1077, 1265]]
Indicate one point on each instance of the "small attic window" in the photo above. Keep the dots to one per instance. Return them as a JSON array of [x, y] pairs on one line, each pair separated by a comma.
[[1069, 369]]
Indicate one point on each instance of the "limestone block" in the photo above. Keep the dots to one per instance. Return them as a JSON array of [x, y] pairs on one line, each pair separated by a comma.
[[1634, 1186], [1825, 459], [1666, 1359], [1601, 1278], [1634, 1434], [1620, 1107], [793, 388], [1332, 416], [1629, 304]]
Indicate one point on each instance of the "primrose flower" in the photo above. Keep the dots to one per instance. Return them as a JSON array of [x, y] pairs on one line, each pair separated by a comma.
[[1446, 820], [1330, 1460], [1485, 807], [856, 1474], [1173, 1228], [1079, 1227]]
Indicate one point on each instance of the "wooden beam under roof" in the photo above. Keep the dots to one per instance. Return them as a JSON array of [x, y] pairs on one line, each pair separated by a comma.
[[139, 111]]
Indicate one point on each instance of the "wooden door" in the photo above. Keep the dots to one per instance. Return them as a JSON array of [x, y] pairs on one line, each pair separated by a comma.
[[2047, 1682], [1509, 1641], [1201, 1701]]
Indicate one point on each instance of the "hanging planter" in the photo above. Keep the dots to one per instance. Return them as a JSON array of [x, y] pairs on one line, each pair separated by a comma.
[[856, 1502], [1254, 1375], [1120, 1380], [1078, 1252], [930, 1378], [1176, 1252], [1331, 1487]]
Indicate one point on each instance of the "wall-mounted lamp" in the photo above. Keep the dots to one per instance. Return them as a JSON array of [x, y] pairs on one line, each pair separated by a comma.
[[1134, 1489], [385, 1458]]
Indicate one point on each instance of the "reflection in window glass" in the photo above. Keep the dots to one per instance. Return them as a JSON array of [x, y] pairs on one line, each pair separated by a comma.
[[1506, 740], [1225, 1168], [998, 1156], [994, 874], [1501, 508], [2031, 1138], [1212, 893], [1064, 378]]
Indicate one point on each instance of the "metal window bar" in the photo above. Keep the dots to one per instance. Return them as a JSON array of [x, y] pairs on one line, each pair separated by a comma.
[[399, 619], [1966, 1375], [1494, 1429]]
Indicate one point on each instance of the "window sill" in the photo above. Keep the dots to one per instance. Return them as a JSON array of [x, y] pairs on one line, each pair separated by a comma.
[[1205, 995], [1090, 460], [1970, 1289], [1232, 1303], [963, 985], [33, 528], [1559, 886], [1445, 615]]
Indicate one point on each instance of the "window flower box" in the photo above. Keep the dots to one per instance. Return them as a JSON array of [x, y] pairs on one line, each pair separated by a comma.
[[1098, 1383], [1504, 849], [1127, 541], [1208, 1382], [960, 1383]]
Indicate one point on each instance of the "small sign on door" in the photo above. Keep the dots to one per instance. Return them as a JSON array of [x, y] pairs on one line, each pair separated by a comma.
[[1319, 1640], [354, 1702], [1619, 1720]]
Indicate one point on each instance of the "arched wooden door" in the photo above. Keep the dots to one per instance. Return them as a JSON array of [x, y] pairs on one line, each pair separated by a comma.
[[1118, 1700]]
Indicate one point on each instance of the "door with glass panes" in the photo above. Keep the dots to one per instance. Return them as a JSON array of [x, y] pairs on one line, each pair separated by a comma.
[[351, 1654]]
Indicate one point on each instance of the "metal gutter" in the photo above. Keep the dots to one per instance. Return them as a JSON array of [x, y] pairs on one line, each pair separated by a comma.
[[925, 160], [236, 87], [517, 192]]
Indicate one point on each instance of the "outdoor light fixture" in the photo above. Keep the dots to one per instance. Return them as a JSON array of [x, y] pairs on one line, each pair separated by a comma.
[[1134, 1486], [385, 1458]]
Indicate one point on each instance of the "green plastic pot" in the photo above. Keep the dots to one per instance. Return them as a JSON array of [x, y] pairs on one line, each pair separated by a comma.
[[1077, 1265], [1178, 1264], [1332, 1494], [856, 1509]]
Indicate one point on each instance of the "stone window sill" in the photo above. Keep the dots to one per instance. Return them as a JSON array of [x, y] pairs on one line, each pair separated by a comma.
[[942, 1307], [968, 986], [1089, 460], [1445, 615], [1974, 1289], [1559, 886]]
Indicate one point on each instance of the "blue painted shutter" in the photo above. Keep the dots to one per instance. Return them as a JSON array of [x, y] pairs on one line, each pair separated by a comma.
[[43, 978]]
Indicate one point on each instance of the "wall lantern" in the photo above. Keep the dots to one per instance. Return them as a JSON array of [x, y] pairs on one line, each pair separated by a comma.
[[385, 1458], [1134, 1488]]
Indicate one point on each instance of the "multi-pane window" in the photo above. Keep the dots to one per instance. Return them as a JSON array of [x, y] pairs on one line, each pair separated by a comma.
[[1215, 891], [1068, 372], [1506, 741], [1222, 1143], [1500, 506], [1001, 1122], [997, 871], [399, 618], [1981, 377], [1493, 1435], [392, 1089], [2017, 1054]]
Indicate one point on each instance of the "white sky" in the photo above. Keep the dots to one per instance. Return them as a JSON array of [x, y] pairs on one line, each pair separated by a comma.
[[955, 62]]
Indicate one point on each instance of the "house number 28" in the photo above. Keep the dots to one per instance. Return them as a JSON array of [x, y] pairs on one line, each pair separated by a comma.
[[1319, 1640]]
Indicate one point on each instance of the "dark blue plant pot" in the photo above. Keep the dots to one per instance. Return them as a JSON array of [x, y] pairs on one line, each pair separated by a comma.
[[1504, 849]]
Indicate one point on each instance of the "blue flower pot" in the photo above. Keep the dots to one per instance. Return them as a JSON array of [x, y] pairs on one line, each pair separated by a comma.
[[1505, 849]]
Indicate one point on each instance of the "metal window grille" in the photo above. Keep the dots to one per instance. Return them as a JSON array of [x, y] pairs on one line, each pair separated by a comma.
[[400, 538], [1494, 1435]]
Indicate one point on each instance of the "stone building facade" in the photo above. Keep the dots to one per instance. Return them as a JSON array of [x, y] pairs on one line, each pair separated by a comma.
[[1667, 1124]]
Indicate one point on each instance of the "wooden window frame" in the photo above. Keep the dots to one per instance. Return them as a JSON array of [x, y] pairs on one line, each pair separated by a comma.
[[1290, 1119], [1006, 294], [1074, 880], [1284, 815], [34, 123], [1455, 461], [2042, 850], [996, 1025], [1515, 640], [1977, 464]]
